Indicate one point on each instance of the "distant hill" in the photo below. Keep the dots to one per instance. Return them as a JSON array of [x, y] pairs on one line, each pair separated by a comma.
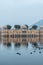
[[39, 23]]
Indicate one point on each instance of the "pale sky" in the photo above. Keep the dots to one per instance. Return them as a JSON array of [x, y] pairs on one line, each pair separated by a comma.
[[20, 11]]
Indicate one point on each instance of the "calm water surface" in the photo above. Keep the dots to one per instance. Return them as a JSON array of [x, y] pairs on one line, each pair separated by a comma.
[[21, 52]]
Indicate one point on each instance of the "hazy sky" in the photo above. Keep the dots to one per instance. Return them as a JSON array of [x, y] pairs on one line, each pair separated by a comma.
[[20, 11]]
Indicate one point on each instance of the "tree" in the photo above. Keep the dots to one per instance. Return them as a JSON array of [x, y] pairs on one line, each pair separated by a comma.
[[17, 27], [9, 26], [34, 27], [26, 26]]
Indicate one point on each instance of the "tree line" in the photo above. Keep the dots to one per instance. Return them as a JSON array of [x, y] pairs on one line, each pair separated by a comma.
[[17, 27]]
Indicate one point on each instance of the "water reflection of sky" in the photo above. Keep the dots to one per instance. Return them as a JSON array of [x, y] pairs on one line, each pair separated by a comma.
[[21, 52]]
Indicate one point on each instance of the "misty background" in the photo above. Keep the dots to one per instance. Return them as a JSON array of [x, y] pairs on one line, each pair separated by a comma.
[[20, 12]]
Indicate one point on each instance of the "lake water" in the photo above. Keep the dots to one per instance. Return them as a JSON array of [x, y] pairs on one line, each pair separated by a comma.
[[21, 51]]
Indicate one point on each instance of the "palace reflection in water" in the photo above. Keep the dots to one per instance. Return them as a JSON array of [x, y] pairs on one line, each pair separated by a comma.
[[34, 41], [21, 51]]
